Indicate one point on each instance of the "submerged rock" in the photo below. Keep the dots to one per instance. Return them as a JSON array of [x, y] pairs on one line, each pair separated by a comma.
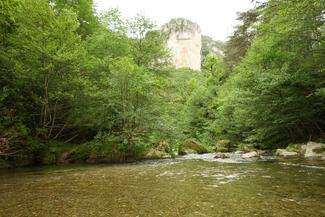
[[250, 155], [315, 150], [286, 154]]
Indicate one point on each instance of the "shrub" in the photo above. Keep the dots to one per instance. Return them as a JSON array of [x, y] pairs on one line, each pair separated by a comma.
[[82, 152]]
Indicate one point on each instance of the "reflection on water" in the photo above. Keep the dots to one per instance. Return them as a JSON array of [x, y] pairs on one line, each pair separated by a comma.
[[189, 186]]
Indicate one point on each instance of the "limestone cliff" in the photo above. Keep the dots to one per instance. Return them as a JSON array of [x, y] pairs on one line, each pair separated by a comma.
[[184, 42]]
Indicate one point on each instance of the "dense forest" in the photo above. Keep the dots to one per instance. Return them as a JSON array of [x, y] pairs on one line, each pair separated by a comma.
[[101, 87]]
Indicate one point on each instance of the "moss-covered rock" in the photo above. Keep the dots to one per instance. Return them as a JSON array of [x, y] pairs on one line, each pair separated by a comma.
[[221, 155], [159, 150], [224, 146], [156, 154], [191, 146]]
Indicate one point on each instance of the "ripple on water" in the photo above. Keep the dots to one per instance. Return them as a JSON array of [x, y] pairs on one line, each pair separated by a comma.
[[302, 165], [233, 158]]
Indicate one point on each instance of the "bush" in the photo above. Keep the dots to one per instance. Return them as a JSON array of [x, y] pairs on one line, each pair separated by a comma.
[[82, 152]]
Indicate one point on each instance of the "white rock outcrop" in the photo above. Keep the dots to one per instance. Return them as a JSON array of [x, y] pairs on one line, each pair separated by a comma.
[[315, 150], [184, 42]]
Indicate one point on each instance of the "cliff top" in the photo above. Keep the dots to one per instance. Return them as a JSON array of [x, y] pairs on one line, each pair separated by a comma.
[[180, 25]]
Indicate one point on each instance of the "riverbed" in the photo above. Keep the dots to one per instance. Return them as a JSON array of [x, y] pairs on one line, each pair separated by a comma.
[[189, 186]]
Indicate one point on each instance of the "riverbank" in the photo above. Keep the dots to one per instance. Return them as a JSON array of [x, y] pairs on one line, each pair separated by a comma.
[[224, 151]]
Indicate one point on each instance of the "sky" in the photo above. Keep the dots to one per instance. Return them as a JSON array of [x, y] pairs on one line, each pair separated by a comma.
[[216, 18]]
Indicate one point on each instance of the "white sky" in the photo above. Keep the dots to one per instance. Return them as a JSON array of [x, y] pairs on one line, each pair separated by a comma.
[[215, 17]]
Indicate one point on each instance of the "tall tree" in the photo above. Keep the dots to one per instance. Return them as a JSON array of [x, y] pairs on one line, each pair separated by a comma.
[[277, 94], [239, 42], [47, 53], [148, 46]]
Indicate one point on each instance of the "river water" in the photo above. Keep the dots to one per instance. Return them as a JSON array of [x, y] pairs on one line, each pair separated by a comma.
[[189, 186]]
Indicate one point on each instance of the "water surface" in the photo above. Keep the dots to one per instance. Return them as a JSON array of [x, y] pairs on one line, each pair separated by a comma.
[[189, 186]]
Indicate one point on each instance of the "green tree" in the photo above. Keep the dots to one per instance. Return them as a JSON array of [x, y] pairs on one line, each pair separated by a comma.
[[276, 96], [85, 14], [47, 54], [148, 46], [243, 36]]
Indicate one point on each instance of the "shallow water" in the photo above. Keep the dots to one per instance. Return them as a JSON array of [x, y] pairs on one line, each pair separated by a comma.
[[188, 186]]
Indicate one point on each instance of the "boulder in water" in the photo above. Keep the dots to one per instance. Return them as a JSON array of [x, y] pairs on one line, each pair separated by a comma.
[[224, 146], [303, 149], [221, 155], [286, 154], [248, 155], [315, 150]]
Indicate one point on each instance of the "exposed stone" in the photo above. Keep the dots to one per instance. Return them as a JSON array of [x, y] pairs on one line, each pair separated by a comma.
[[262, 152], [221, 155], [286, 154], [211, 46], [191, 146], [303, 149], [250, 155], [156, 154], [224, 146], [162, 146], [159, 150], [314, 150], [184, 42]]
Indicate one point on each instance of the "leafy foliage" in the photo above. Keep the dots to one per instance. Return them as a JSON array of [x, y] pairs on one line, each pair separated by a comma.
[[103, 84]]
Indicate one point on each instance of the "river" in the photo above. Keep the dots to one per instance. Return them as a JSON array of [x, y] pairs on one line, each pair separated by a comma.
[[187, 186]]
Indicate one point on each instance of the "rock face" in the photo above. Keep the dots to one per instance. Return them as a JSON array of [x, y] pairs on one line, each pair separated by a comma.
[[211, 46], [184, 42], [314, 150]]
